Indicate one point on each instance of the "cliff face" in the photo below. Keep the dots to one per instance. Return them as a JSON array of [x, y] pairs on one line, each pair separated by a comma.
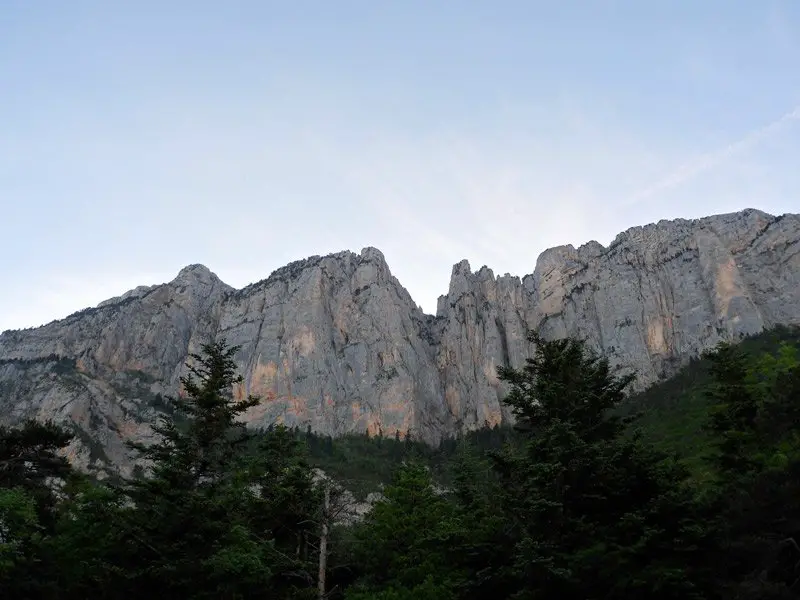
[[337, 343], [340, 345]]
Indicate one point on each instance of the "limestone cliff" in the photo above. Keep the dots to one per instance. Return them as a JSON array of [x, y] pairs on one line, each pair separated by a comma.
[[337, 343]]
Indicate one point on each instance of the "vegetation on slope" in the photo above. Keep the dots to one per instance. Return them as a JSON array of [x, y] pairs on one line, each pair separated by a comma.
[[696, 499], [673, 413]]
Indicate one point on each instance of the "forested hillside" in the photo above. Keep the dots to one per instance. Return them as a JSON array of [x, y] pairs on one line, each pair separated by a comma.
[[671, 415], [687, 490]]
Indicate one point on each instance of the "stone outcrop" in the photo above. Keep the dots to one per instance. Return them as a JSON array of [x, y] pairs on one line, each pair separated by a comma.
[[337, 343]]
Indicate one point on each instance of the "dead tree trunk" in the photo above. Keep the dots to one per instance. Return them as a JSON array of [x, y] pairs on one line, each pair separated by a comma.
[[323, 543]]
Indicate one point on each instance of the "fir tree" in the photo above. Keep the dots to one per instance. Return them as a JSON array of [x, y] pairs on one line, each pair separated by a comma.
[[404, 547], [33, 481], [203, 522], [31, 459], [734, 411], [757, 460], [598, 514]]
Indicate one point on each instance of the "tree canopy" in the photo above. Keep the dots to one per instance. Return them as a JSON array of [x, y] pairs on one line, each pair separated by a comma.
[[580, 500]]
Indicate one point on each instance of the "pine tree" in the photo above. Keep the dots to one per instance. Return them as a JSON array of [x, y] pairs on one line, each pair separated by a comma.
[[203, 521], [734, 411], [197, 445], [754, 427], [598, 514], [405, 545], [30, 459], [486, 547], [34, 480]]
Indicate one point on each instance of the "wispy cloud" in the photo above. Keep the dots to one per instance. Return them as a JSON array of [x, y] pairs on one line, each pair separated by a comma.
[[710, 160]]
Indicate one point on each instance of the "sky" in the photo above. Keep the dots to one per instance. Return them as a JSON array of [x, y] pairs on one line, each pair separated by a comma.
[[139, 137]]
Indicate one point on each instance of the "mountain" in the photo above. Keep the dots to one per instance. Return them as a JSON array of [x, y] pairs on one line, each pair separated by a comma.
[[336, 343]]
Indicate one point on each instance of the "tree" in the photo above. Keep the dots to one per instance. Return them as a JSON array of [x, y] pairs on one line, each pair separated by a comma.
[[204, 522], [735, 408], [598, 514], [20, 545], [95, 545], [200, 448], [486, 548], [776, 379], [33, 479], [754, 428], [405, 545], [30, 459], [287, 503]]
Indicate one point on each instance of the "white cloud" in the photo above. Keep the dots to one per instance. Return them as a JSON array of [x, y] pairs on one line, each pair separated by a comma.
[[714, 159]]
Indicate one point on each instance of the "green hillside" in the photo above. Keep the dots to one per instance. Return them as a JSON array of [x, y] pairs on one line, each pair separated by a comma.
[[672, 413]]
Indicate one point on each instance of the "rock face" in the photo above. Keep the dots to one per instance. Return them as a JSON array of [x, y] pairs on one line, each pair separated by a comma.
[[337, 343]]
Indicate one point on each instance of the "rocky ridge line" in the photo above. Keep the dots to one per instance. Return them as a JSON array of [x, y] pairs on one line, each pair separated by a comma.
[[336, 342]]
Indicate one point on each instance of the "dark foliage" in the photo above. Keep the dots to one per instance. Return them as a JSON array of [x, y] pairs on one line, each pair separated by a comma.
[[695, 498]]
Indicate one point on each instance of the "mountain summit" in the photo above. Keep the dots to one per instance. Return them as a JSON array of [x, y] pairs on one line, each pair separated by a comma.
[[336, 343]]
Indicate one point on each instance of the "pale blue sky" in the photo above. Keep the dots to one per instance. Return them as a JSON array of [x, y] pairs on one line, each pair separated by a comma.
[[139, 136]]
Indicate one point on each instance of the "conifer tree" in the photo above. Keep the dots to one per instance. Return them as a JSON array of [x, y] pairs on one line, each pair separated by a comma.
[[205, 521], [598, 514], [405, 546], [753, 424], [33, 478], [734, 412], [31, 459]]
